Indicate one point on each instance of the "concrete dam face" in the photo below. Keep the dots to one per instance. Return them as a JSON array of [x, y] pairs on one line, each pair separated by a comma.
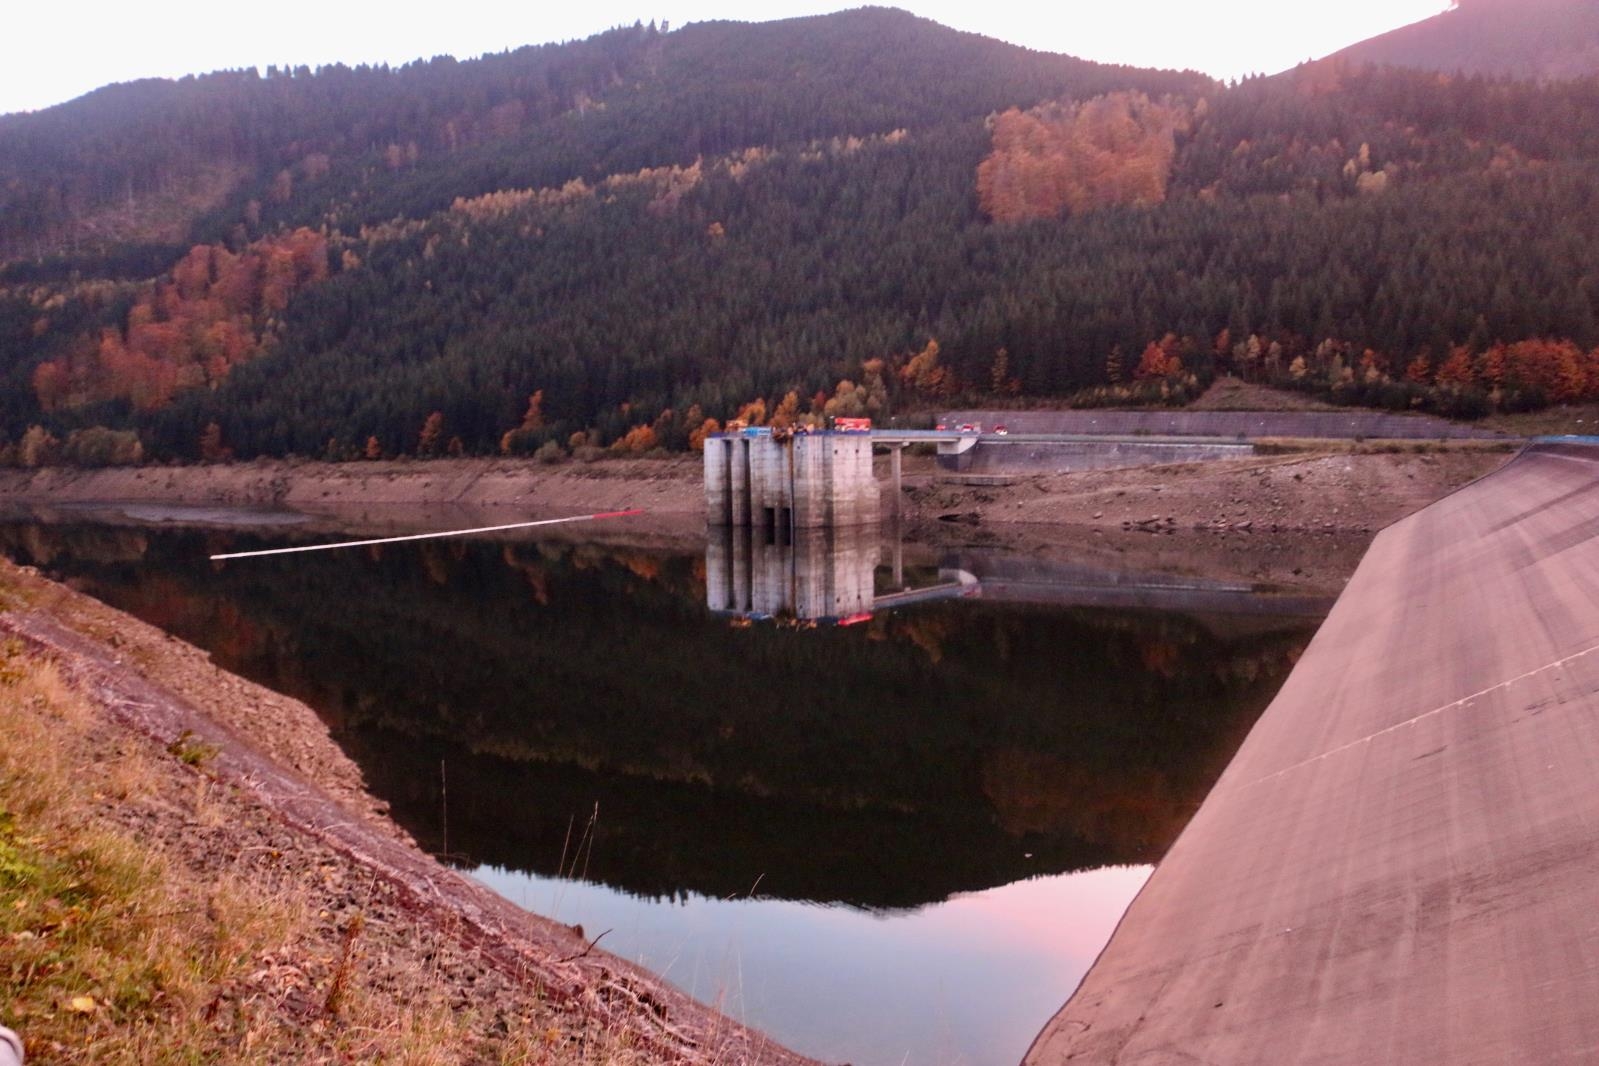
[[764, 480]]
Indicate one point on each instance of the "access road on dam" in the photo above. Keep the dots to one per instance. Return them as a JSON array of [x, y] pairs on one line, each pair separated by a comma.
[[1401, 865]]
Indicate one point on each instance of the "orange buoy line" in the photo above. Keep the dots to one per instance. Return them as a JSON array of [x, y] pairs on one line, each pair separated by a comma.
[[426, 536]]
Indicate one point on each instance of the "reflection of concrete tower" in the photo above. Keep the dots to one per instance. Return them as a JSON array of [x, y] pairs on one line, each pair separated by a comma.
[[823, 575], [803, 481]]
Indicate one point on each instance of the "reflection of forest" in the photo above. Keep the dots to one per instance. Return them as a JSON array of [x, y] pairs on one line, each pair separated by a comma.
[[949, 747]]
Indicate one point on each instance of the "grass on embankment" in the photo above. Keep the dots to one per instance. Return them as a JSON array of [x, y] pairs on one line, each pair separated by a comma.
[[137, 927], [105, 958], [1580, 418]]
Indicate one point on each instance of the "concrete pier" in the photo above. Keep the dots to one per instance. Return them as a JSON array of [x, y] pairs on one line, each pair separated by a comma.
[[806, 481], [1401, 864]]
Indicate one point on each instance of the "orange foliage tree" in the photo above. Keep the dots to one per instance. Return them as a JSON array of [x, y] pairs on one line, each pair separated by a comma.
[[215, 310], [696, 437], [925, 376], [521, 438], [428, 441], [636, 441], [1114, 149], [1160, 360]]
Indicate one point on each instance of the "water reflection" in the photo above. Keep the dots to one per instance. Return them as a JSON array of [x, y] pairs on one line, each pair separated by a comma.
[[604, 728], [968, 981], [949, 747], [820, 575]]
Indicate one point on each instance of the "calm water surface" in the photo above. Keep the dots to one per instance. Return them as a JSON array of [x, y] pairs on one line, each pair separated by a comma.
[[902, 839]]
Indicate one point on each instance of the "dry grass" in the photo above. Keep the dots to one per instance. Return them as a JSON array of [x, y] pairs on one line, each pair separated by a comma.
[[1231, 394], [1581, 419], [119, 943]]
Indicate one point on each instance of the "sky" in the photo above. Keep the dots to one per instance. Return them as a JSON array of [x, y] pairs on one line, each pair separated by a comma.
[[54, 52]]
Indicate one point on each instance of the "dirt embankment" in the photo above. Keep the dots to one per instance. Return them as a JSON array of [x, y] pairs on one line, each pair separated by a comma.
[[669, 486], [238, 786]]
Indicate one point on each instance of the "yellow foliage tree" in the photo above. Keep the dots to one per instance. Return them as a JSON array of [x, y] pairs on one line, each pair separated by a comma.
[[1114, 149], [787, 412]]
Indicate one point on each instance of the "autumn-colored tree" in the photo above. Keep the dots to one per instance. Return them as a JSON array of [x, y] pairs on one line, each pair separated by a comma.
[[753, 413], [872, 378], [1419, 372], [1248, 354], [432, 435], [534, 418], [1000, 380], [1160, 360], [1113, 365], [38, 447], [374, 449], [664, 426], [1458, 370], [1114, 149], [869, 399], [213, 312], [923, 374], [696, 437], [99, 446], [636, 441], [1491, 367], [1373, 366], [787, 412], [848, 401], [1554, 368], [52, 382], [211, 448], [521, 438]]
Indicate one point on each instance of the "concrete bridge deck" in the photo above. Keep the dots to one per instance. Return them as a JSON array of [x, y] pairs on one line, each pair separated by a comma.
[[1401, 865]]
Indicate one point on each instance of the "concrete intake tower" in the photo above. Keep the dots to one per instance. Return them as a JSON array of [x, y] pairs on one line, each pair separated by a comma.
[[787, 481]]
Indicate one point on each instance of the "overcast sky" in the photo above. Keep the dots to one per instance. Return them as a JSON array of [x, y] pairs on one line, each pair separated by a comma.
[[53, 53]]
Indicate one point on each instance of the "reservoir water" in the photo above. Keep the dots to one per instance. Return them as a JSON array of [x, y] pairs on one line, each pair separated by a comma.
[[886, 804]]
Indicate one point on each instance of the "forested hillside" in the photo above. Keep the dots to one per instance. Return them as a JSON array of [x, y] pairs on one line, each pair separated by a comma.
[[622, 241], [1520, 38]]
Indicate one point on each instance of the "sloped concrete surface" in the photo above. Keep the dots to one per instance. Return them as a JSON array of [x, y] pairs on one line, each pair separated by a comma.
[[1401, 865]]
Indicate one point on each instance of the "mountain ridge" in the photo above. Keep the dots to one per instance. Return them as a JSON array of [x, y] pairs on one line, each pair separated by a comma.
[[624, 240], [1525, 38]]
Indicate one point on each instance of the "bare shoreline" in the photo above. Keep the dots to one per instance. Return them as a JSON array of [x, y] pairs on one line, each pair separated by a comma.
[[1299, 520]]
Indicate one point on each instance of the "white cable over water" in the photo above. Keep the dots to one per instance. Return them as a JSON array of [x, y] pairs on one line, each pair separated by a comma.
[[426, 536]]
